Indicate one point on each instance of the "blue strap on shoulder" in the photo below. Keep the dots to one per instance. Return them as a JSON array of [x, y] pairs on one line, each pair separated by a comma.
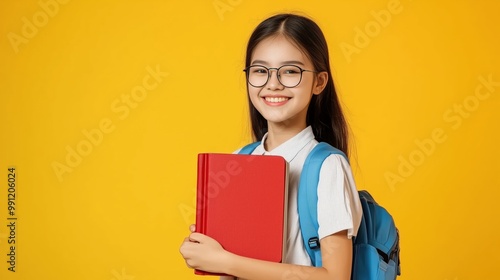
[[308, 198], [248, 149]]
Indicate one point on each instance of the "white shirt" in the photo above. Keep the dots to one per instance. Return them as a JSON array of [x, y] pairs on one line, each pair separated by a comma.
[[339, 207]]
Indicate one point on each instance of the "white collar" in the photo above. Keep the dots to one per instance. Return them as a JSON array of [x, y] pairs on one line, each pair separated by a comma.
[[290, 148]]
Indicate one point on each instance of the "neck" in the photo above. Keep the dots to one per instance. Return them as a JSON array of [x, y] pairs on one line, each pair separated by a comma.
[[279, 134]]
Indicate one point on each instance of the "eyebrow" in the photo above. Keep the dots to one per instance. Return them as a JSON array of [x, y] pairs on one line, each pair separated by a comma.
[[283, 62]]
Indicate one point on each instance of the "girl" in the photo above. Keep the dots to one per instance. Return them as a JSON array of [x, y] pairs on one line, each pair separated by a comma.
[[293, 106]]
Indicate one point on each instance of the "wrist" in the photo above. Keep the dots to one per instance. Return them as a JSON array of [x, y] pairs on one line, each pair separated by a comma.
[[228, 260]]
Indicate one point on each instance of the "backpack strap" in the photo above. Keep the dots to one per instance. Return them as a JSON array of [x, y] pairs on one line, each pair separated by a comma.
[[308, 198], [248, 149], [366, 223]]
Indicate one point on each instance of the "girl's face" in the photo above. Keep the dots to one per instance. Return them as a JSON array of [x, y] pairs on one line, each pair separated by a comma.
[[279, 105]]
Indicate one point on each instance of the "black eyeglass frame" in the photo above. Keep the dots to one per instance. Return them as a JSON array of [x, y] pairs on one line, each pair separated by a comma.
[[277, 74]]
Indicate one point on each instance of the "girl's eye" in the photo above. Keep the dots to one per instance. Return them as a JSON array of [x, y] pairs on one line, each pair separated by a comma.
[[259, 71], [290, 71]]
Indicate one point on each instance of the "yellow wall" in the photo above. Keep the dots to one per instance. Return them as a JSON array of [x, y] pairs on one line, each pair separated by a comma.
[[105, 104]]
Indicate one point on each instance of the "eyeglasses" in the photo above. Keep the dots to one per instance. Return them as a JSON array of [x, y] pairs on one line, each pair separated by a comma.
[[288, 75]]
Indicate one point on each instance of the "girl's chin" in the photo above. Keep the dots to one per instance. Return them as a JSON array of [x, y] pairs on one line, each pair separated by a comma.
[[280, 121]]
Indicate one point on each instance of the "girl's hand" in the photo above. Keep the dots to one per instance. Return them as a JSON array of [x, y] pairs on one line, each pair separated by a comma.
[[204, 253]]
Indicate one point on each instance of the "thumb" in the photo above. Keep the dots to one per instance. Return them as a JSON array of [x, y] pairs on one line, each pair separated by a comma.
[[192, 228]]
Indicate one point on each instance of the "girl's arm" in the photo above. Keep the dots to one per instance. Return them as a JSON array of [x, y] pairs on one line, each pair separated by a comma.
[[203, 252]]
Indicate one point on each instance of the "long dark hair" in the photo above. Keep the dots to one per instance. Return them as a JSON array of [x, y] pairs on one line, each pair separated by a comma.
[[324, 114]]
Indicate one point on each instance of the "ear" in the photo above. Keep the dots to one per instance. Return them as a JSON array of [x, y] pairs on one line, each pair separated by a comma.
[[320, 83]]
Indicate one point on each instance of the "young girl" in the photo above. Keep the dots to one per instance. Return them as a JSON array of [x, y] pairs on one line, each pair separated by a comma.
[[293, 106]]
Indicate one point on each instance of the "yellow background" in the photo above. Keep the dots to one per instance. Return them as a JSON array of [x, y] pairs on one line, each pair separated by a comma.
[[125, 207]]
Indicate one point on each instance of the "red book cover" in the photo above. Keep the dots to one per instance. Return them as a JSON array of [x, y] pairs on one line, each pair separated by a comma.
[[241, 203]]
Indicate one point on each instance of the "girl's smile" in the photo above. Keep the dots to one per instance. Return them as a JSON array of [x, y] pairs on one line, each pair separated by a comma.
[[272, 100]]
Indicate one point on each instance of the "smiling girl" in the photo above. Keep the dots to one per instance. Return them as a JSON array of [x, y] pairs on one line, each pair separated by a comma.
[[293, 106]]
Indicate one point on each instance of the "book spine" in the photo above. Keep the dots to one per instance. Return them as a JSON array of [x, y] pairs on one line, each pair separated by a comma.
[[201, 202], [201, 198]]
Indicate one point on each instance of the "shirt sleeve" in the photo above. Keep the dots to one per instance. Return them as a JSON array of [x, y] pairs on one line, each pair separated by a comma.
[[339, 207]]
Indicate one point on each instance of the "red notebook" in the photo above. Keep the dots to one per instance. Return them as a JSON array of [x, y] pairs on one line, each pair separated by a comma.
[[241, 203]]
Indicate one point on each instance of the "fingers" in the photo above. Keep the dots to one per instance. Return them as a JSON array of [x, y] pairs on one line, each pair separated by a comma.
[[187, 248], [199, 252], [186, 253], [183, 245], [197, 237], [192, 228]]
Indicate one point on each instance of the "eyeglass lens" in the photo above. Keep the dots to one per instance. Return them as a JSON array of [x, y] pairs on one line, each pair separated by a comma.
[[288, 75]]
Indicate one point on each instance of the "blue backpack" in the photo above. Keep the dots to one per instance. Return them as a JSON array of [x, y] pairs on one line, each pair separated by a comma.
[[376, 246]]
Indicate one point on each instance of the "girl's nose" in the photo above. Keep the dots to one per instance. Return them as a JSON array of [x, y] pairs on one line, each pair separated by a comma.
[[274, 83]]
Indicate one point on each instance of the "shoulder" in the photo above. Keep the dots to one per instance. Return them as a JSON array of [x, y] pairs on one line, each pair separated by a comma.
[[329, 156], [335, 168], [335, 160], [337, 198]]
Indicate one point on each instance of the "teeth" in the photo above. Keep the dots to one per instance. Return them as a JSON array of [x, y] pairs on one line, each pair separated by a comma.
[[276, 99]]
